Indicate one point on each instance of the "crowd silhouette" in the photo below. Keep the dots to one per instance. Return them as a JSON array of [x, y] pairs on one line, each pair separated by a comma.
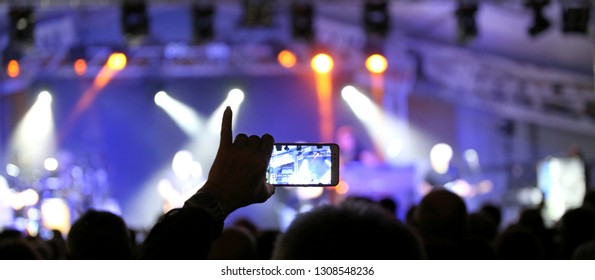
[[439, 227]]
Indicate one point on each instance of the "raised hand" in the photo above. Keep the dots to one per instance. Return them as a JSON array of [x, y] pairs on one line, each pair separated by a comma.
[[237, 176]]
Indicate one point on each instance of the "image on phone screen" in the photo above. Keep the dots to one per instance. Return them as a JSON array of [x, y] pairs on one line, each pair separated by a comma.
[[303, 165]]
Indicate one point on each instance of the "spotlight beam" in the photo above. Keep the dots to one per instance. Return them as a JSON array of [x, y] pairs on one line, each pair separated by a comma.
[[34, 138], [382, 128], [115, 63], [183, 115]]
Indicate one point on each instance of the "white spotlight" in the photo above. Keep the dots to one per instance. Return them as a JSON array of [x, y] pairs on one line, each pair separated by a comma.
[[13, 170], [235, 97], [348, 92], [51, 164], [44, 97], [160, 98]]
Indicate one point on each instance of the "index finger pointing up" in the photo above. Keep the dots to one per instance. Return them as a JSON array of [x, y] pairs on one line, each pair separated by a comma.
[[226, 134]]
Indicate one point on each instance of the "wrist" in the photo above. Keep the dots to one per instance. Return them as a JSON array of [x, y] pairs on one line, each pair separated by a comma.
[[208, 202]]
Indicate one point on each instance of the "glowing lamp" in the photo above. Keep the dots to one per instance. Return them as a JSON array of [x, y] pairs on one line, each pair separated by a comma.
[[13, 69], [287, 59], [236, 96], [322, 63], [44, 97], [116, 61], [376, 64], [160, 98], [80, 67]]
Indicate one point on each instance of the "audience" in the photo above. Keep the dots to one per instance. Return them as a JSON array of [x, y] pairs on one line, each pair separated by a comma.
[[577, 226], [439, 227]]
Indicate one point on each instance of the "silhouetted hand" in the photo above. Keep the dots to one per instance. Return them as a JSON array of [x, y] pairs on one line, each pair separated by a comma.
[[237, 177]]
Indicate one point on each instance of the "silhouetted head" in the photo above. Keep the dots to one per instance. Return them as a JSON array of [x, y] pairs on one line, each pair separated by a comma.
[[352, 230], [234, 243], [576, 227], [533, 220], [389, 204], [482, 226], [519, 243], [11, 233], [441, 214], [493, 211], [98, 235], [17, 248], [265, 243], [589, 199]]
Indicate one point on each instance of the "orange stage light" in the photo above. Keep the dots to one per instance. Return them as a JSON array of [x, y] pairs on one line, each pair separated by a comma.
[[13, 69], [287, 59], [80, 67]]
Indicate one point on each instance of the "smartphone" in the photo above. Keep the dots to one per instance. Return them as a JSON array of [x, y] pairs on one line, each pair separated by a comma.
[[304, 164]]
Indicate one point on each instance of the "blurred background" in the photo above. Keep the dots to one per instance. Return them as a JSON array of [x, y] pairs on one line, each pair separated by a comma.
[[116, 105]]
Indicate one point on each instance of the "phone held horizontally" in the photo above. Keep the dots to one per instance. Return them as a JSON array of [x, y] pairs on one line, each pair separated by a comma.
[[304, 164]]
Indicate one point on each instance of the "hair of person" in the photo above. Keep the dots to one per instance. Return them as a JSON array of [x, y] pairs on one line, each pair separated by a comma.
[[98, 235], [351, 230]]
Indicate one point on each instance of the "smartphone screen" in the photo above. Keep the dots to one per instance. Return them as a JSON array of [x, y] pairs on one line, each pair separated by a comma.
[[304, 164]]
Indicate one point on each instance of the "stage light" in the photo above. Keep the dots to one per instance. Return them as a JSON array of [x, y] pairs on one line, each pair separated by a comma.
[[383, 128], [202, 19], [235, 97], [45, 97], [376, 64], [322, 63], [116, 61], [466, 21], [183, 115], [134, 19], [575, 16], [51, 164], [258, 12], [21, 24], [394, 149], [287, 59], [376, 17], [540, 22], [161, 98], [13, 69], [362, 106], [302, 20], [80, 67], [34, 137]]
